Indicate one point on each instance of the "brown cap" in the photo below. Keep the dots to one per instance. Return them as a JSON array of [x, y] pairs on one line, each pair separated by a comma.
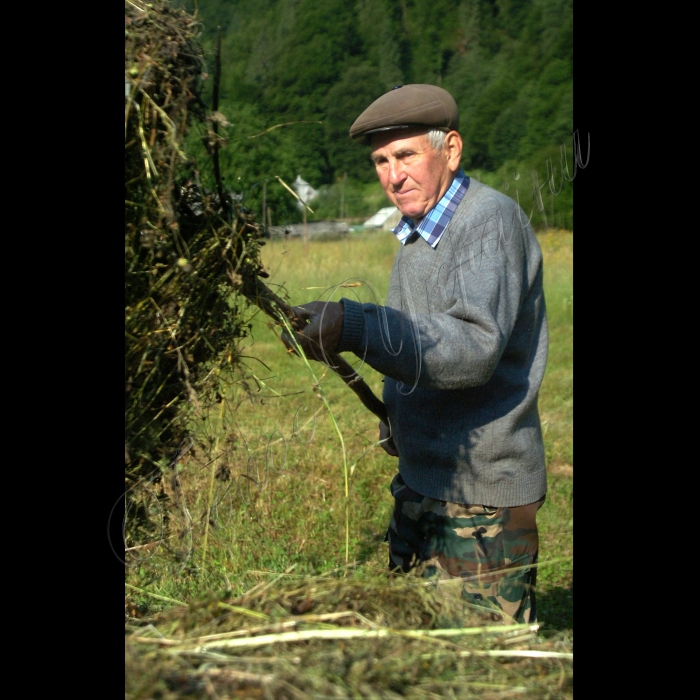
[[405, 106]]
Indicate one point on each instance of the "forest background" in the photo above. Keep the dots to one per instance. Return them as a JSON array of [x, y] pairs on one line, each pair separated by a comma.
[[296, 73]]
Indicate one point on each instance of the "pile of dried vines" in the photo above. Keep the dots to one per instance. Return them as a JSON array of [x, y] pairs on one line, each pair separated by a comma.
[[186, 249]]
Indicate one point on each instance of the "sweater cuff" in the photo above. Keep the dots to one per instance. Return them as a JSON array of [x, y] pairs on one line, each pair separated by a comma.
[[353, 325]]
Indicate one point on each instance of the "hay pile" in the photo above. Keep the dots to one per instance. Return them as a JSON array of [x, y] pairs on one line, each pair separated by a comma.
[[342, 635], [186, 247]]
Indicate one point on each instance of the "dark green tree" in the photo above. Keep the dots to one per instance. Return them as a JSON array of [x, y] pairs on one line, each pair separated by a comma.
[[508, 63]]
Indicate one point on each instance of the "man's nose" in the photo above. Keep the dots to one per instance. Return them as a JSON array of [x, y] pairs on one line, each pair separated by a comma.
[[397, 173]]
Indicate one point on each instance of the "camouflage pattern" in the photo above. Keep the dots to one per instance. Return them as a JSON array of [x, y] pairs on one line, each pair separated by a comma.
[[491, 551]]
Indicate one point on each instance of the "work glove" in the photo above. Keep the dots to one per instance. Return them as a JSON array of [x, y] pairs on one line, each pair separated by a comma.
[[324, 327], [386, 441]]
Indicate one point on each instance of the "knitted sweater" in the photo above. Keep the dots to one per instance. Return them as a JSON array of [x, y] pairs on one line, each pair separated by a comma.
[[462, 342]]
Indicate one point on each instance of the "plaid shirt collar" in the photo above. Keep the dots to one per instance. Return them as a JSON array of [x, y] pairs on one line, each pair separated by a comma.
[[434, 223]]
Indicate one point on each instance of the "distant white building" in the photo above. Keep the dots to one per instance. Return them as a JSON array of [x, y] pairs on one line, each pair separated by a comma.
[[304, 190], [386, 218]]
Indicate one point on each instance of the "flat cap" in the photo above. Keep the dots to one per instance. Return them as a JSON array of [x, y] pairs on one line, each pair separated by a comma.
[[405, 106]]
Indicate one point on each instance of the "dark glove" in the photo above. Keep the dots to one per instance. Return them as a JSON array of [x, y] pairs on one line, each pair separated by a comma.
[[386, 441], [324, 327]]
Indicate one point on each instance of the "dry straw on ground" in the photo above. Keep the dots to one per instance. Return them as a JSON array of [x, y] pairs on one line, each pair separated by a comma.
[[342, 635]]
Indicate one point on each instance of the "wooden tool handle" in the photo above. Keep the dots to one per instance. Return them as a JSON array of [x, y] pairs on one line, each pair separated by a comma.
[[272, 305]]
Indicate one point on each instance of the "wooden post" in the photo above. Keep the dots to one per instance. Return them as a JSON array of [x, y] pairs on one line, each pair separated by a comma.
[[551, 211], [306, 231], [342, 195], [215, 125], [263, 202]]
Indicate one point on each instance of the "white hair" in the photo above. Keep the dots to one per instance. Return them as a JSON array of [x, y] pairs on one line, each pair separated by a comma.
[[436, 138]]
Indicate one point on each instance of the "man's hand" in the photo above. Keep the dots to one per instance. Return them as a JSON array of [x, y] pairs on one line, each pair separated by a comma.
[[324, 326], [386, 441]]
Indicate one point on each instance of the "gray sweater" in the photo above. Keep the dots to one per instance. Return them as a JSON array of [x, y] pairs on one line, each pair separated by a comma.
[[462, 342]]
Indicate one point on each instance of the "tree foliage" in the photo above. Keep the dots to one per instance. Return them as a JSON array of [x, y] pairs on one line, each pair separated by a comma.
[[508, 63]]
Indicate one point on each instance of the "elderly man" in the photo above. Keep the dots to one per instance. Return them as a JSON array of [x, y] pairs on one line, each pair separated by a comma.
[[462, 345]]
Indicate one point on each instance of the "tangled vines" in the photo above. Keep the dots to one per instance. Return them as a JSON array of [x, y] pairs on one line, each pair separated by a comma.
[[187, 250]]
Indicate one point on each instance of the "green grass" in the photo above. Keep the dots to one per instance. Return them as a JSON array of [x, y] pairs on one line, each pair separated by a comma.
[[283, 507]]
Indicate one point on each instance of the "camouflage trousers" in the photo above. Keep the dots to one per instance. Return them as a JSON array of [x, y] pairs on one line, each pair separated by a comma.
[[489, 553]]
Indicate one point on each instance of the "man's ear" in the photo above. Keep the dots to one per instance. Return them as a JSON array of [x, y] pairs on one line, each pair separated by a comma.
[[453, 150]]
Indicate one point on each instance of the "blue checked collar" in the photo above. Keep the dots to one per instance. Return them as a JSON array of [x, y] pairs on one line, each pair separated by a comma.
[[434, 223]]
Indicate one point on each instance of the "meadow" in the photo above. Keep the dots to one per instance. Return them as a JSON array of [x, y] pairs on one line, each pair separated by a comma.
[[284, 499]]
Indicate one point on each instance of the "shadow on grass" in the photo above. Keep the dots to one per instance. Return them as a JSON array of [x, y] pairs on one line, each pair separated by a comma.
[[370, 546], [555, 610]]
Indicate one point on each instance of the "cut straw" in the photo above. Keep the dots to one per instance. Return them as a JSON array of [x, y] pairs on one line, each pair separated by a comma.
[[308, 635]]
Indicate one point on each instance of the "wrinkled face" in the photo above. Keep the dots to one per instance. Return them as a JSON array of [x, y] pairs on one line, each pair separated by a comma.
[[413, 174]]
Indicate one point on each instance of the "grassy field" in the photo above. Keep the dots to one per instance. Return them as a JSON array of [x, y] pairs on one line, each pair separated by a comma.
[[289, 487]]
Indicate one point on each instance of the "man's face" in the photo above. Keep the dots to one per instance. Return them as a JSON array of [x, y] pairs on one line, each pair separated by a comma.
[[413, 174]]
